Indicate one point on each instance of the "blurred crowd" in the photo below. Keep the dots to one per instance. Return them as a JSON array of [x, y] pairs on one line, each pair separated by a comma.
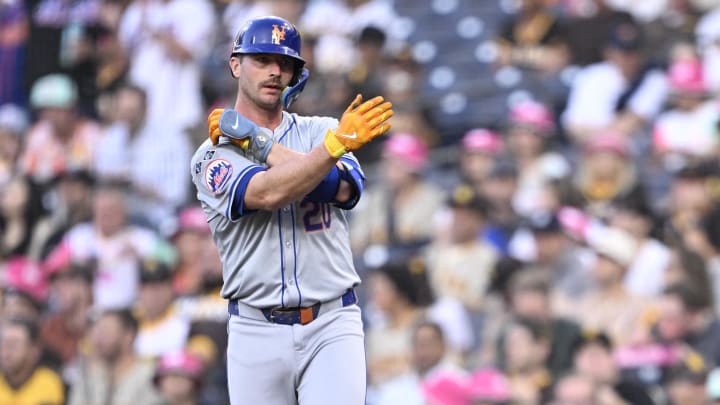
[[568, 252]]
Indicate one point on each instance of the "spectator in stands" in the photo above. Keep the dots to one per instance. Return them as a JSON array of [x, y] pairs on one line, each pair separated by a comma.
[[461, 267], [646, 274], [167, 41], [478, 150], [610, 307], [149, 156], [179, 377], [13, 124], [25, 290], [530, 127], [589, 28], [114, 375], [23, 380], [366, 77], [685, 317], [61, 139], [607, 173], [685, 383], [592, 354], [398, 291], [526, 347], [689, 131], [429, 359], [115, 244], [62, 329], [689, 268], [499, 189], [691, 199], [533, 38], [205, 303], [21, 209], [530, 298], [568, 264], [189, 238], [623, 93], [71, 195], [399, 212], [162, 329]]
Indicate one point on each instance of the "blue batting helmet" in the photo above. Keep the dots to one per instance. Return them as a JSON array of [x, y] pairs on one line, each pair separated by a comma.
[[270, 35]]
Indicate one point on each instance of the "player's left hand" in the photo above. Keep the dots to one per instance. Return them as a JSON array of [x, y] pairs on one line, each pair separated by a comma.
[[359, 124]]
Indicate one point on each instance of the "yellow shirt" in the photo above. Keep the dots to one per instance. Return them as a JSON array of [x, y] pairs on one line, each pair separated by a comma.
[[44, 387]]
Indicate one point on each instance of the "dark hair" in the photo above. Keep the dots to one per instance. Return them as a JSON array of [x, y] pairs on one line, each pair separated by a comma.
[[408, 274], [530, 280], [372, 36], [427, 324], [33, 211], [690, 297], [711, 226], [126, 318], [537, 329], [31, 327]]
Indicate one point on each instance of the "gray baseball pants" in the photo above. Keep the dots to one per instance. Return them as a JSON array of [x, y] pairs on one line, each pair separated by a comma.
[[321, 363]]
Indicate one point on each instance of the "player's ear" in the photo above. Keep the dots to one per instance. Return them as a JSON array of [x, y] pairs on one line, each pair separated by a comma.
[[234, 65]]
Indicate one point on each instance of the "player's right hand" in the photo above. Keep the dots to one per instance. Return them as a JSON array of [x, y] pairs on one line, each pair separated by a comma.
[[214, 125], [241, 131], [359, 124]]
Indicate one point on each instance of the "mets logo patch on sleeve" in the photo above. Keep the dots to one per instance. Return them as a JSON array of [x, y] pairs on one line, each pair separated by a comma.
[[217, 175]]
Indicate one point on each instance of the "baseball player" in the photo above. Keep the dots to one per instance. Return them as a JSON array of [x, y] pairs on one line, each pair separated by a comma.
[[275, 187]]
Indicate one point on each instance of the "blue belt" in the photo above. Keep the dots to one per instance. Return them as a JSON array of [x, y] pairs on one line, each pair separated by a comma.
[[301, 315]]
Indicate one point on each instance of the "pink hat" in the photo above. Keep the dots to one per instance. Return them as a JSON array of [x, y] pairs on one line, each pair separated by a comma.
[[490, 385], [194, 219], [446, 388], [179, 363], [59, 259], [608, 142], [533, 114], [26, 276], [482, 140], [686, 76], [407, 147], [574, 221]]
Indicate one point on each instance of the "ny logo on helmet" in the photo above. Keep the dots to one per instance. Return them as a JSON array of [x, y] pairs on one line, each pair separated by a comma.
[[278, 34]]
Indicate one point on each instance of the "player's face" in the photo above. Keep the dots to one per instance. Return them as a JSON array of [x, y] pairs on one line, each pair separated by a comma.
[[263, 77]]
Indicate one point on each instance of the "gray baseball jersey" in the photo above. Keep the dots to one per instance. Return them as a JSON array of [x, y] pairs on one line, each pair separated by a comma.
[[295, 256]]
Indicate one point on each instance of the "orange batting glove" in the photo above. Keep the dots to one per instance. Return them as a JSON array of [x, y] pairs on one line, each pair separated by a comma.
[[359, 124]]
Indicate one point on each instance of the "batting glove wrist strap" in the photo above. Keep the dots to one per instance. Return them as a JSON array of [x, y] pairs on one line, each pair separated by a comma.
[[333, 146], [259, 146], [241, 131]]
